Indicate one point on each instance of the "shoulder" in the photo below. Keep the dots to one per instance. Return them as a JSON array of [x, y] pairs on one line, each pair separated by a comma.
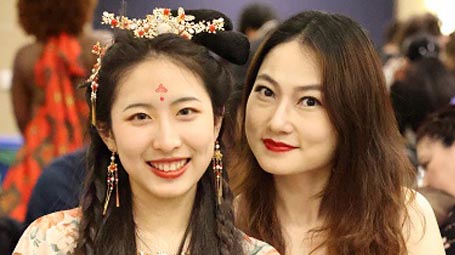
[[58, 187], [421, 229], [55, 233], [63, 177], [28, 52], [29, 47], [256, 247], [26, 57]]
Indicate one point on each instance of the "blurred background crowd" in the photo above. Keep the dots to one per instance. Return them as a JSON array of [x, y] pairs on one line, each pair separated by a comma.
[[414, 38]]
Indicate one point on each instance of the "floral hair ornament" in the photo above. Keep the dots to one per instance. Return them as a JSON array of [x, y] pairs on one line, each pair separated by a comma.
[[93, 79], [162, 21]]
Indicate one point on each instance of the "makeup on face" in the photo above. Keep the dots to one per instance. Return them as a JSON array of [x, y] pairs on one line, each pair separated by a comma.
[[161, 90], [277, 146], [164, 129], [169, 168], [286, 125]]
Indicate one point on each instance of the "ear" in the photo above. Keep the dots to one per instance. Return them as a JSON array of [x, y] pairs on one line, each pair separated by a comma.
[[107, 136]]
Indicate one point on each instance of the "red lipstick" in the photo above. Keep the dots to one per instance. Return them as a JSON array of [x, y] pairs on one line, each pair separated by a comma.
[[277, 146], [169, 174]]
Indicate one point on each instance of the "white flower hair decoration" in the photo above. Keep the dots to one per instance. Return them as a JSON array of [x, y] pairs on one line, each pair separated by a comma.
[[159, 22], [162, 21]]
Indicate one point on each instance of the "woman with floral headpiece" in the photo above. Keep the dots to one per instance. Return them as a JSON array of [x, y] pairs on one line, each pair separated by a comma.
[[155, 182], [49, 111]]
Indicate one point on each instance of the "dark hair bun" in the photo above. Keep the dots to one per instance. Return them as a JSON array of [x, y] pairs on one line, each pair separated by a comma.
[[230, 45], [421, 46]]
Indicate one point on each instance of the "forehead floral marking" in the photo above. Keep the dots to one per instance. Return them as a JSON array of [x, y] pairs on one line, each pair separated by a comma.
[[160, 90], [159, 22]]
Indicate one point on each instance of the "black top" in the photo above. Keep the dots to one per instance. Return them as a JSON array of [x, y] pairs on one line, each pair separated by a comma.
[[448, 233], [58, 187]]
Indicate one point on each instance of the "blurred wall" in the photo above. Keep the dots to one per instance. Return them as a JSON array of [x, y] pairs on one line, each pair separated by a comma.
[[407, 8], [12, 38]]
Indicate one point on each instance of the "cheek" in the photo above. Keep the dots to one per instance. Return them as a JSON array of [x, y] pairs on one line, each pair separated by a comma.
[[250, 128], [129, 137], [254, 117], [199, 135], [317, 130], [433, 173], [202, 146]]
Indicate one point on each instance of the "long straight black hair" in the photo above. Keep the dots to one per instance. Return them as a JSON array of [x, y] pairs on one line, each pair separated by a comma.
[[211, 225]]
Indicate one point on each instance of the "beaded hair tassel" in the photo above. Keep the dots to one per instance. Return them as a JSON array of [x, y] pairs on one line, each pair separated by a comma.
[[93, 79], [217, 166], [112, 183]]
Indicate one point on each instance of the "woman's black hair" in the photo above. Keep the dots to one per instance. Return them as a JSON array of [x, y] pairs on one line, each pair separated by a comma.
[[211, 225]]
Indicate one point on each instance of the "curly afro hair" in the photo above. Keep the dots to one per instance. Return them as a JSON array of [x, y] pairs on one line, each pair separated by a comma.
[[47, 18]]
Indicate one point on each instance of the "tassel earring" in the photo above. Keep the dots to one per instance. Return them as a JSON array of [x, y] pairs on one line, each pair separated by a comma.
[[112, 183], [217, 166]]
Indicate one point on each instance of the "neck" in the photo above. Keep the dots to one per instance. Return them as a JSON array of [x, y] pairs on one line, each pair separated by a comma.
[[161, 222], [299, 198]]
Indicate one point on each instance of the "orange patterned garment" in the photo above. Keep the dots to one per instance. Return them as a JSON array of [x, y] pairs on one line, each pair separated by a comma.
[[56, 127]]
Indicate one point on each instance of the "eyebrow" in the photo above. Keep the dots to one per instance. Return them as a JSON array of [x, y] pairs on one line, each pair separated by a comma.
[[300, 88], [147, 105]]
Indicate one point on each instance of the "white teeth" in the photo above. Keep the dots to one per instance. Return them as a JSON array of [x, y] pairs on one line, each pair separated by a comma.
[[169, 166]]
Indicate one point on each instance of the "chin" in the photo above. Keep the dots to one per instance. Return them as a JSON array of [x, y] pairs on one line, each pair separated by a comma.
[[172, 191], [276, 168], [270, 167]]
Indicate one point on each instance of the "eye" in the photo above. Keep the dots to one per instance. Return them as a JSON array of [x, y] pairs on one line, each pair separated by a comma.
[[186, 111], [264, 91], [140, 117], [309, 101]]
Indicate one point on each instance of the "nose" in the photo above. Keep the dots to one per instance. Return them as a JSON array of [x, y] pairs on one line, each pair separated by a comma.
[[167, 137], [280, 120]]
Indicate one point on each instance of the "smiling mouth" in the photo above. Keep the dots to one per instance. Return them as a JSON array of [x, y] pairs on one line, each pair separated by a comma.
[[169, 169], [168, 166]]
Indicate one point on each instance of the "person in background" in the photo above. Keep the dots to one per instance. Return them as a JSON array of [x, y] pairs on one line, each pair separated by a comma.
[[320, 166], [426, 86], [449, 57], [59, 187], [155, 181], [256, 21], [391, 47], [436, 152], [425, 23], [49, 110], [428, 24], [10, 232]]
